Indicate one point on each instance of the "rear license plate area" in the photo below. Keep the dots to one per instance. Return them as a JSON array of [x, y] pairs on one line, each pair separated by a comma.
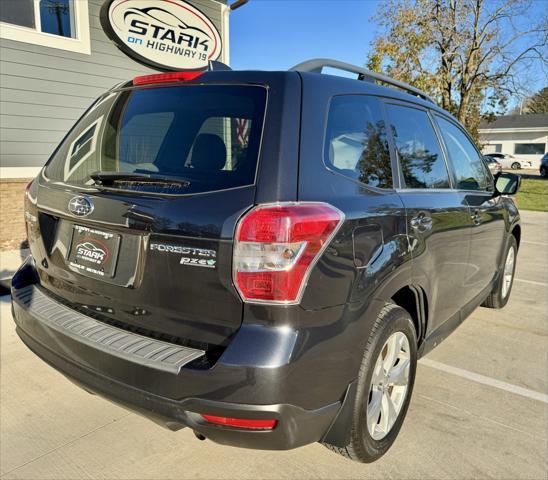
[[94, 252]]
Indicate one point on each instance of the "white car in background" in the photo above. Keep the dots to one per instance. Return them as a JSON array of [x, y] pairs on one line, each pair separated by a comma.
[[509, 161]]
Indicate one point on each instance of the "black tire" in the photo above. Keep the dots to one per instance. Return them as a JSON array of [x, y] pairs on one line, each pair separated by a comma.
[[362, 447], [543, 172], [516, 166], [496, 298]]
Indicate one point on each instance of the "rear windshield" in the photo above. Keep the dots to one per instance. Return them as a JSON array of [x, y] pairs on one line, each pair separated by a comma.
[[205, 138]]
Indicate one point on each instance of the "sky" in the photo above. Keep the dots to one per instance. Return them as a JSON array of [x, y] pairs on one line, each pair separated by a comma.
[[277, 34]]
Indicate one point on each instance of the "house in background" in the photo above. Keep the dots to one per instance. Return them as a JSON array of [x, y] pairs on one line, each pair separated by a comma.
[[523, 136]]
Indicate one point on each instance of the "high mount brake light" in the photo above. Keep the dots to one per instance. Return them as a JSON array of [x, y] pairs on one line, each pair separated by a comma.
[[276, 247], [166, 78], [249, 424]]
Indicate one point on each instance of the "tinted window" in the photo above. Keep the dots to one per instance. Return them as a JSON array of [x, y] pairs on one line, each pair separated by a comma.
[[419, 154], [496, 147], [469, 169], [208, 135], [237, 143], [356, 144], [56, 16], [17, 12], [529, 148]]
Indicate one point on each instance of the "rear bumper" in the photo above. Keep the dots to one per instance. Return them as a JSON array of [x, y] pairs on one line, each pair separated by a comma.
[[171, 396]]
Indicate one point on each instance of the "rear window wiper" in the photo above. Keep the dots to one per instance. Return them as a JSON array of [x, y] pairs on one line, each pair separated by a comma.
[[109, 178]]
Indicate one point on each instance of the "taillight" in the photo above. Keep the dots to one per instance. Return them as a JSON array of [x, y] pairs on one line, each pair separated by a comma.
[[249, 424], [30, 219], [166, 77], [276, 247]]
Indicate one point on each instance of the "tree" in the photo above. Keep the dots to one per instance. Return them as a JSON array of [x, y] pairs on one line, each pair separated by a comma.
[[467, 54], [538, 103]]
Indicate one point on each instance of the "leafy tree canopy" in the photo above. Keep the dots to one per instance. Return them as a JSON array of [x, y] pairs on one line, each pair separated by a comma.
[[470, 55]]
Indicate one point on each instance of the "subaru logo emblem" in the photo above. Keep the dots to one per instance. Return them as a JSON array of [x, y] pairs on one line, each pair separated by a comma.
[[80, 206]]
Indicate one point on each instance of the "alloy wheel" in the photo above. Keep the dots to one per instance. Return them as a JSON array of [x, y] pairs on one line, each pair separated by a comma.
[[389, 385], [508, 272]]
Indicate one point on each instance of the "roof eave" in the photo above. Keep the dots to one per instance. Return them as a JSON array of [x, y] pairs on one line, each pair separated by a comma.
[[509, 130]]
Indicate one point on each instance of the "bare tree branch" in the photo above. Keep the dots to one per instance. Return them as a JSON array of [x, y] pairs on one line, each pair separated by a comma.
[[463, 52]]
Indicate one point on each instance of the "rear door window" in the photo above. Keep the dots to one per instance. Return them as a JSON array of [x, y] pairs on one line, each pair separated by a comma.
[[207, 135], [419, 153], [356, 145]]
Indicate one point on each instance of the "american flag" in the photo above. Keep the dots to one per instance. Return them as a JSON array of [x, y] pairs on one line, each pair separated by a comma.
[[242, 131]]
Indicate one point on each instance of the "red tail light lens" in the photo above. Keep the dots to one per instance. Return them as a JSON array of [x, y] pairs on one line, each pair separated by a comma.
[[166, 77], [249, 424], [277, 246]]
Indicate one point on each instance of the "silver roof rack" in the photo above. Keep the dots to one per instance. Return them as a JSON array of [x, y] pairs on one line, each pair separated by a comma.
[[316, 65]]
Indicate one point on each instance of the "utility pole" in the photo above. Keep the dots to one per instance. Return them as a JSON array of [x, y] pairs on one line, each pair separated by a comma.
[[58, 9]]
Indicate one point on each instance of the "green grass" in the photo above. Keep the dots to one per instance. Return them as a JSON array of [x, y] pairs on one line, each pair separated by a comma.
[[533, 195]]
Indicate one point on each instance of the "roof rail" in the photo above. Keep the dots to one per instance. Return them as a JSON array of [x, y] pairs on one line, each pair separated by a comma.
[[318, 64]]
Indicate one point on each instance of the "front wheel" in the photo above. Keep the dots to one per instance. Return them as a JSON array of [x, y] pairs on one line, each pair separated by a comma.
[[385, 384], [544, 172], [500, 294], [516, 166]]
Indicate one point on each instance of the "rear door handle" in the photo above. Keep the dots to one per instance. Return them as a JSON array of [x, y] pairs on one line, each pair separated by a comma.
[[421, 222]]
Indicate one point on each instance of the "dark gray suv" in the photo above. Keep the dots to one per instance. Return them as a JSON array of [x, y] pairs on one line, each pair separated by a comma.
[[262, 256]]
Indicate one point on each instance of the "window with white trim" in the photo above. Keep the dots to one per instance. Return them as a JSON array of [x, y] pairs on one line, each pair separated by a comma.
[[62, 24], [493, 148]]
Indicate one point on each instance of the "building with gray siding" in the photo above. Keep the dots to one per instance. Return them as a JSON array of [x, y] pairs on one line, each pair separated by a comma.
[[55, 60], [47, 80]]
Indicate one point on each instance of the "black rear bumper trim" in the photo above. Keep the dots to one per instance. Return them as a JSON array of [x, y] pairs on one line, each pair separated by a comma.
[[114, 341]]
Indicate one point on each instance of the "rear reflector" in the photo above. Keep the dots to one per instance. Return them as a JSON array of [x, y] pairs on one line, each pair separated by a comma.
[[249, 424], [166, 77], [277, 246]]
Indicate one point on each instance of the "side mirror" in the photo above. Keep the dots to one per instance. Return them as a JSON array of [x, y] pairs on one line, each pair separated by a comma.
[[507, 183]]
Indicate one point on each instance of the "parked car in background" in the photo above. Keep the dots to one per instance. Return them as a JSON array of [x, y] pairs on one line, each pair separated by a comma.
[[544, 166], [258, 257], [493, 164], [509, 161]]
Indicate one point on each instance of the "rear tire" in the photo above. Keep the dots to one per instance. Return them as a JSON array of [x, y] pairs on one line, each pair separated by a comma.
[[500, 294], [382, 399], [516, 166], [544, 172]]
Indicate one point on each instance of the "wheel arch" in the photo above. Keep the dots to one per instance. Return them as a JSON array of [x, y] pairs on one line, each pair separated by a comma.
[[402, 290], [413, 299], [516, 232]]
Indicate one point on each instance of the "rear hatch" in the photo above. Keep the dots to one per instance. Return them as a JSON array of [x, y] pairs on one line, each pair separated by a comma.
[[134, 215]]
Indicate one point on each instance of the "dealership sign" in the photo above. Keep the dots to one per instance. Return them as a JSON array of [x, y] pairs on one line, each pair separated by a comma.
[[163, 34]]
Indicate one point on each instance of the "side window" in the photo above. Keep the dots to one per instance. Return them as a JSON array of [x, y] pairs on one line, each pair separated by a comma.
[[469, 168], [355, 143], [418, 150]]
